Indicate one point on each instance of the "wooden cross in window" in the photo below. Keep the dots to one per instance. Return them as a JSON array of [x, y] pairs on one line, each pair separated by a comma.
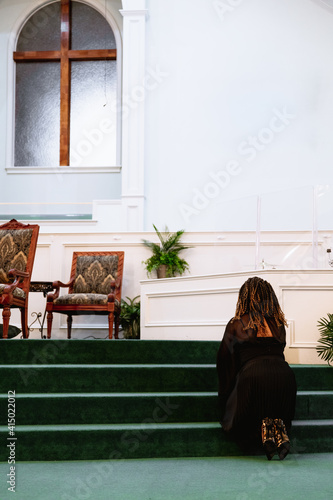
[[65, 56]]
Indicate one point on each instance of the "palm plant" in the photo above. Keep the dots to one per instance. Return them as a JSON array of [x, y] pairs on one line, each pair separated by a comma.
[[325, 343], [165, 253], [130, 318]]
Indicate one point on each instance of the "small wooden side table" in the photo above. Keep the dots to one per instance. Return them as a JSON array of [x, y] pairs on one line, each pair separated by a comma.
[[43, 287]]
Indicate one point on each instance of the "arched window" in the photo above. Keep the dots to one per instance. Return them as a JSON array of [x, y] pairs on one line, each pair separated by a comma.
[[66, 88]]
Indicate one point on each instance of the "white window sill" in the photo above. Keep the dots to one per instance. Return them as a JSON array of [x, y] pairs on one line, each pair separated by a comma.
[[63, 170]]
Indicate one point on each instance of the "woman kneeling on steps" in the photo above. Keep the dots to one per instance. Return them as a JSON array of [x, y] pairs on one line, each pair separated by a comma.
[[257, 387]]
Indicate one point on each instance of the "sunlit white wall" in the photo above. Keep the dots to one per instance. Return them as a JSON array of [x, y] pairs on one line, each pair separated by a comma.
[[245, 108], [238, 104]]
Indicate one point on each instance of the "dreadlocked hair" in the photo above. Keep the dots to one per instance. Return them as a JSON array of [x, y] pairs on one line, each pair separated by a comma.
[[257, 299]]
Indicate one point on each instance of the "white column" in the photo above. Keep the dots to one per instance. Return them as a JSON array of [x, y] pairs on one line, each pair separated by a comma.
[[133, 97]]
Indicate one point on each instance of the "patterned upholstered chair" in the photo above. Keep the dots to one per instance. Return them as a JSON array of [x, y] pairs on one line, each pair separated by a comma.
[[94, 288], [17, 253]]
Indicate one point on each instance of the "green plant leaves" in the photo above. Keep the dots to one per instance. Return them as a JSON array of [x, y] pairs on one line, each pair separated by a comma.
[[130, 317], [166, 252], [325, 343]]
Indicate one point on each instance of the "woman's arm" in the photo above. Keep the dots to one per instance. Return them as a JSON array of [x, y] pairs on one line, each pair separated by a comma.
[[226, 364]]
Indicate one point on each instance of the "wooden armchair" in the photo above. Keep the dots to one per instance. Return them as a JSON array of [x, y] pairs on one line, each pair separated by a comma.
[[18, 244], [94, 288]]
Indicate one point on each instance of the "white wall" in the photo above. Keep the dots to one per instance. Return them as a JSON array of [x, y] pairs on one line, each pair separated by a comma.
[[226, 74], [211, 253], [230, 75]]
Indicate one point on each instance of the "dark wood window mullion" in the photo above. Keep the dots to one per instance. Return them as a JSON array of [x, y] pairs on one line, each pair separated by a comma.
[[40, 56], [65, 83], [93, 55]]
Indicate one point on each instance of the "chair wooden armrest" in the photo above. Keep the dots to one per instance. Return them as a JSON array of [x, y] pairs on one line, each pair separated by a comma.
[[118, 282], [111, 296], [20, 274], [57, 285], [19, 277], [115, 285]]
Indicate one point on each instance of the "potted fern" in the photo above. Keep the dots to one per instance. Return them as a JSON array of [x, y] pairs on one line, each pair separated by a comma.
[[130, 317], [325, 343], [165, 259]]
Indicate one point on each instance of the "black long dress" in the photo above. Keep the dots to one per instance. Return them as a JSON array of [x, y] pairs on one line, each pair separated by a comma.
[[255, 381]]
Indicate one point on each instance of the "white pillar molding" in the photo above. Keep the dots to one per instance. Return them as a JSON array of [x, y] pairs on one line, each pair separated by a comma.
[[133, 105]]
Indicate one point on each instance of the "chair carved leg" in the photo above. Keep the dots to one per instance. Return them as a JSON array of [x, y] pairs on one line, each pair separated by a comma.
[[24, 322], [110, 317], [5, 321], [116, 325], [69, 326], [49, 324]]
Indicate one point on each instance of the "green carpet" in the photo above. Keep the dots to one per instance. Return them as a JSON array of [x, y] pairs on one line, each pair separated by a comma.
[[104, 408], [305, 477], [36, 351], [136, 399]]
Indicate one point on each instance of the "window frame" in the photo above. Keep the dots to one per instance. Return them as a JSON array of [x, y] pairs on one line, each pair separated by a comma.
[[11, 91]]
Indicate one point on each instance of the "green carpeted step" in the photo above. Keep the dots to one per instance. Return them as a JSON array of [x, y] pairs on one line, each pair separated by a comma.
[[313, 377], [92, 442], [135, 378], [71, 442], [314, 405], [316, 435], [107, 408], [37, 351], [107, 378], [89, 400]]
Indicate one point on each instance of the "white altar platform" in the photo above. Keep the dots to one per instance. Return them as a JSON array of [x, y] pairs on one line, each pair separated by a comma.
[[199, 307]]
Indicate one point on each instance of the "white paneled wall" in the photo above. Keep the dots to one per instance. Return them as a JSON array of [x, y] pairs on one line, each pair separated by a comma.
[[199, 304], [199, 307]]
